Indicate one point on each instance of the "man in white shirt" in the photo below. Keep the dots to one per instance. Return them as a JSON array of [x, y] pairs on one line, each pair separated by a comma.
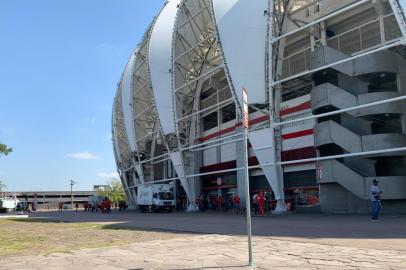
[[375, 196], [255, 203]]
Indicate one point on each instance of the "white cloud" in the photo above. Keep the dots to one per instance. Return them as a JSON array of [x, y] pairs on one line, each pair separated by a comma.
[[108, 175], [83, 155]]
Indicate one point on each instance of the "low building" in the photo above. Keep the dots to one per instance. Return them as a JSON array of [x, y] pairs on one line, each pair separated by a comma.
[[51, 199]]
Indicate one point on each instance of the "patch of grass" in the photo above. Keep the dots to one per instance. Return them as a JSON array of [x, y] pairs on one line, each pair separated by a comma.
[[14, 241], [44, 236]]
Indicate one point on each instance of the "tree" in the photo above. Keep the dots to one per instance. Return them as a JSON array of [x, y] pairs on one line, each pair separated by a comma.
[[5, 150], [114, 191]]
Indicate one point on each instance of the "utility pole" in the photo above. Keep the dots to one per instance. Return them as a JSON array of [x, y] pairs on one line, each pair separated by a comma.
[[245, 125], [71, 192]]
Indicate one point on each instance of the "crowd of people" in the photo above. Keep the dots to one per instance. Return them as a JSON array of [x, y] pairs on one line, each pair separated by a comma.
[[228, 202], [104, 206], [262, 203]]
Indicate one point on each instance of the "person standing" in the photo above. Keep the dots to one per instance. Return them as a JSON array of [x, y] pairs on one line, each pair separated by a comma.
[[255, 203], [375, 197], [261, 204], [267, 203], [200, 202], [230, 203], [34, 206], [237, 205]]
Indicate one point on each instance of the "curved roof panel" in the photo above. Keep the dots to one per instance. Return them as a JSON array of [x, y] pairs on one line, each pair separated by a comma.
[[122, 140], [114, 132], [244, 53], [127, 106], [160, 65]]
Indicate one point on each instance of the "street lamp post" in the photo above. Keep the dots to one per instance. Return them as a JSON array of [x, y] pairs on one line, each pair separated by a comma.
[[71, 192], [245, 125]]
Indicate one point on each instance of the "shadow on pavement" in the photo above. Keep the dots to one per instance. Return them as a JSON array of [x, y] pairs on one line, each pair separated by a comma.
[[312, 226]]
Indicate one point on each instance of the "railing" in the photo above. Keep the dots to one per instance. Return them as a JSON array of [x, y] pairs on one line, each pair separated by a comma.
[[296, 62], [219, 96], [299, 116], [369, 35]]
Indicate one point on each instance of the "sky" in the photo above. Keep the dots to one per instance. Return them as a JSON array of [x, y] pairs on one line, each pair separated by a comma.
[[60, 62]]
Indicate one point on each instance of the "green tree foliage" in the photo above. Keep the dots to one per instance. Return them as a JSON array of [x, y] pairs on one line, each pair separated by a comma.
[[4, 149], [114, 190]]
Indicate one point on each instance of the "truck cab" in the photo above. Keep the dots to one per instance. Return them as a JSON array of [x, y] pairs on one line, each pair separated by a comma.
[[155, 198]]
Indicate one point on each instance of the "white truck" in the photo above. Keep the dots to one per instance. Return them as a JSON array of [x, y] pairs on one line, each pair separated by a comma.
[[9, 203], [155, 197]]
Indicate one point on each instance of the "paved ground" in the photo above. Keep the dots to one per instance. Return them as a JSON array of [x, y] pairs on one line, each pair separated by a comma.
[[344, 230], [214, 252], [284, 242]]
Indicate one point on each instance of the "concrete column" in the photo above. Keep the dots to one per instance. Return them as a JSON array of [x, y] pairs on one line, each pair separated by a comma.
[[196, 184], [127, 191], [401, 84]]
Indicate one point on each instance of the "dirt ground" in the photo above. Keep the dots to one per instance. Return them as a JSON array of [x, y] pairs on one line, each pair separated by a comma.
[[42, 237]]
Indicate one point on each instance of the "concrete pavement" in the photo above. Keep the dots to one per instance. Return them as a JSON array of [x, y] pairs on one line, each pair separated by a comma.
[[280, 242], [214, 252], [341, 230]]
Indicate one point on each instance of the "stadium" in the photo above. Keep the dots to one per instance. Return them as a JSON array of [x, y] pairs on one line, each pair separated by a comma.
[[326, 84]]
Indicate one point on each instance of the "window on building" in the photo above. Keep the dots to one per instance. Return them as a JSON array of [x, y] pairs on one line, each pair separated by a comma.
[[257, 107], [386, 123], [207, 93], [210, 121], [300, 179], [325, 76], [384, 81], [228, 113]]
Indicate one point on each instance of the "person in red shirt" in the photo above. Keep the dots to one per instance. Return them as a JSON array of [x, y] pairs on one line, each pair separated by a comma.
[[103, 206], [86, 206], [108, 205], [261, 203], [236, 202]]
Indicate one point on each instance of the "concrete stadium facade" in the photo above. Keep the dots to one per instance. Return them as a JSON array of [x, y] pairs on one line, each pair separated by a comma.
[[326, 83]]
